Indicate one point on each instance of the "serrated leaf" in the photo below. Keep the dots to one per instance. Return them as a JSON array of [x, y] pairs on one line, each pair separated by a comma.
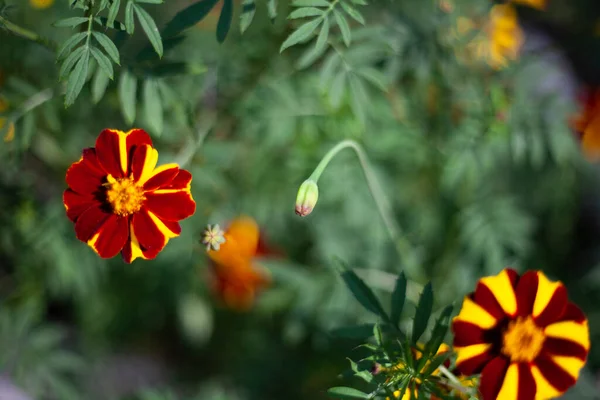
[[225, 18], [188, 17], [69, 44], [150, 28], [341, 392], [112, 13], [363, 293], [422, 313], [70, 22], [108, 46], [247, 14], [301, 34], [310, 3], [77, 79], [102, 61], [99, 85], [127, 95], [153, 106], [70, 61], [344, 27], [352, 12], [398, 298], [129, 22], [305, 12]]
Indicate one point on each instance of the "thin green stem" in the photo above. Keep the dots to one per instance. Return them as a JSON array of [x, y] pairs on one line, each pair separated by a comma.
[[26, 33], [402, 245]]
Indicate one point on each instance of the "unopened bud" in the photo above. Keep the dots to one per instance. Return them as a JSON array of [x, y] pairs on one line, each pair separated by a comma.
[[308, 194], [377, 369]]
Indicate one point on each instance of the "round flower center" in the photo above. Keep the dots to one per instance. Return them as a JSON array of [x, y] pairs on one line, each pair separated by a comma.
[[523, 340], [124, 196]]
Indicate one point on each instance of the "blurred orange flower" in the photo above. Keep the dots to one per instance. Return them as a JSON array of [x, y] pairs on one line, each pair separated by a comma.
[[237, 277], [41, 4], [587, 124], [539, 4], [10, 133]]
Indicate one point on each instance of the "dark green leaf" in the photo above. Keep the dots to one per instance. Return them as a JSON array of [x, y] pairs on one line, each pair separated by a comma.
[[439, 331], [102, 61], [149, 27], [361, 372], [301, 34], [77, 78], [378, 335], [129, 22], [153, 106], [112, 13], [188, 17], [422, 313], [99, 85], [108, 46], [69, 44], [342, 392], [224, 20], [70, 22], [362, 293], [344, 27], [147, 53], [398, 298], [118, 26], [435, 362], [127, 95]]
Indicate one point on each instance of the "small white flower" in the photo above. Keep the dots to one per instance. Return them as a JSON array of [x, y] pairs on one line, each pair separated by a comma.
[[213, 237]]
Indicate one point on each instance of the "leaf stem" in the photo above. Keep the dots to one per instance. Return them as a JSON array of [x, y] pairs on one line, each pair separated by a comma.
[[402, 245], [26, 34]]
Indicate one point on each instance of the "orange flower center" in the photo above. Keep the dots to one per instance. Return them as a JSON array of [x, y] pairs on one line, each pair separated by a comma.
[[124, 195], [523, 340]]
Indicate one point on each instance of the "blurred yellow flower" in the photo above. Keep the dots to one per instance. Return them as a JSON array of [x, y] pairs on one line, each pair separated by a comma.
[[41, 4], [539, 4], [10, 134]]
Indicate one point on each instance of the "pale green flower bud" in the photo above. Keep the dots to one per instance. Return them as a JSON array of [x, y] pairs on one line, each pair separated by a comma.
[[308, 194]]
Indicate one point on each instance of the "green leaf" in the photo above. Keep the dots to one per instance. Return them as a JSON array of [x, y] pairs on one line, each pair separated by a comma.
[[306, 12], [362, 293], [149, 27], [328, 69], [365, 375], [422, 313], [398, 298], [435, 362], [112, 13], [310, 3], [224, 20], [247, 14], [103, 22], [344, 27], [312, 54], [342, 392], [77, 78], [150, 1], [188, 17], [378, 335], [127, 95], [352, 12], [153, 106], [300, 34], [102, 61], [108, 46], [129, 22], [360, 2], [439, 331], [99, 85], [337, 90], [70, 61], [359, 98], [323, 36], [353, 332], [69, 44], [272, 9], [70, 22], [374, 76]]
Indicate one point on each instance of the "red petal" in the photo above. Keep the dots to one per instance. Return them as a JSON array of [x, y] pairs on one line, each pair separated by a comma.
[[572, 313], [555, 375], [554, 309], [111, 236], [114, 149], [170, 206], [89, 222], [475, 365], [76, 204], [86, 176], [163, 178], [143, 161], [466, 334], [563, 347], [181, 181], [492, 378], [486, 299], [526, 385], [149, 236], [526, 292]]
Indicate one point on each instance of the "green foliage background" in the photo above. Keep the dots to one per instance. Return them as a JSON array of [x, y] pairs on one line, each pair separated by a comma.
[[480, 168]]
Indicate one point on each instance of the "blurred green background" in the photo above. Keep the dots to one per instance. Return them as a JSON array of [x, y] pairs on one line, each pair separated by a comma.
[[480, 167]]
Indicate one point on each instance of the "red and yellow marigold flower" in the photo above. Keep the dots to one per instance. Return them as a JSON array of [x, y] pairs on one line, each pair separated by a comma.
[[237, 277], [587, 124], [120, 201], [523, 335]]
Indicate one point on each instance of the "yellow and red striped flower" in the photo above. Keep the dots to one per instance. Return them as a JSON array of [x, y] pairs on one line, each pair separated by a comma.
[[237, 277], [523, 335], [120, 201]]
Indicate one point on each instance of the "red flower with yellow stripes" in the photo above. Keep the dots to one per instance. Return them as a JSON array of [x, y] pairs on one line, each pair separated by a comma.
[[523, 335], [237, 276], [120, 201]]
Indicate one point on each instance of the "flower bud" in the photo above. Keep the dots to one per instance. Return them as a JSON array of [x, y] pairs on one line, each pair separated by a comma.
[[308, 194]]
